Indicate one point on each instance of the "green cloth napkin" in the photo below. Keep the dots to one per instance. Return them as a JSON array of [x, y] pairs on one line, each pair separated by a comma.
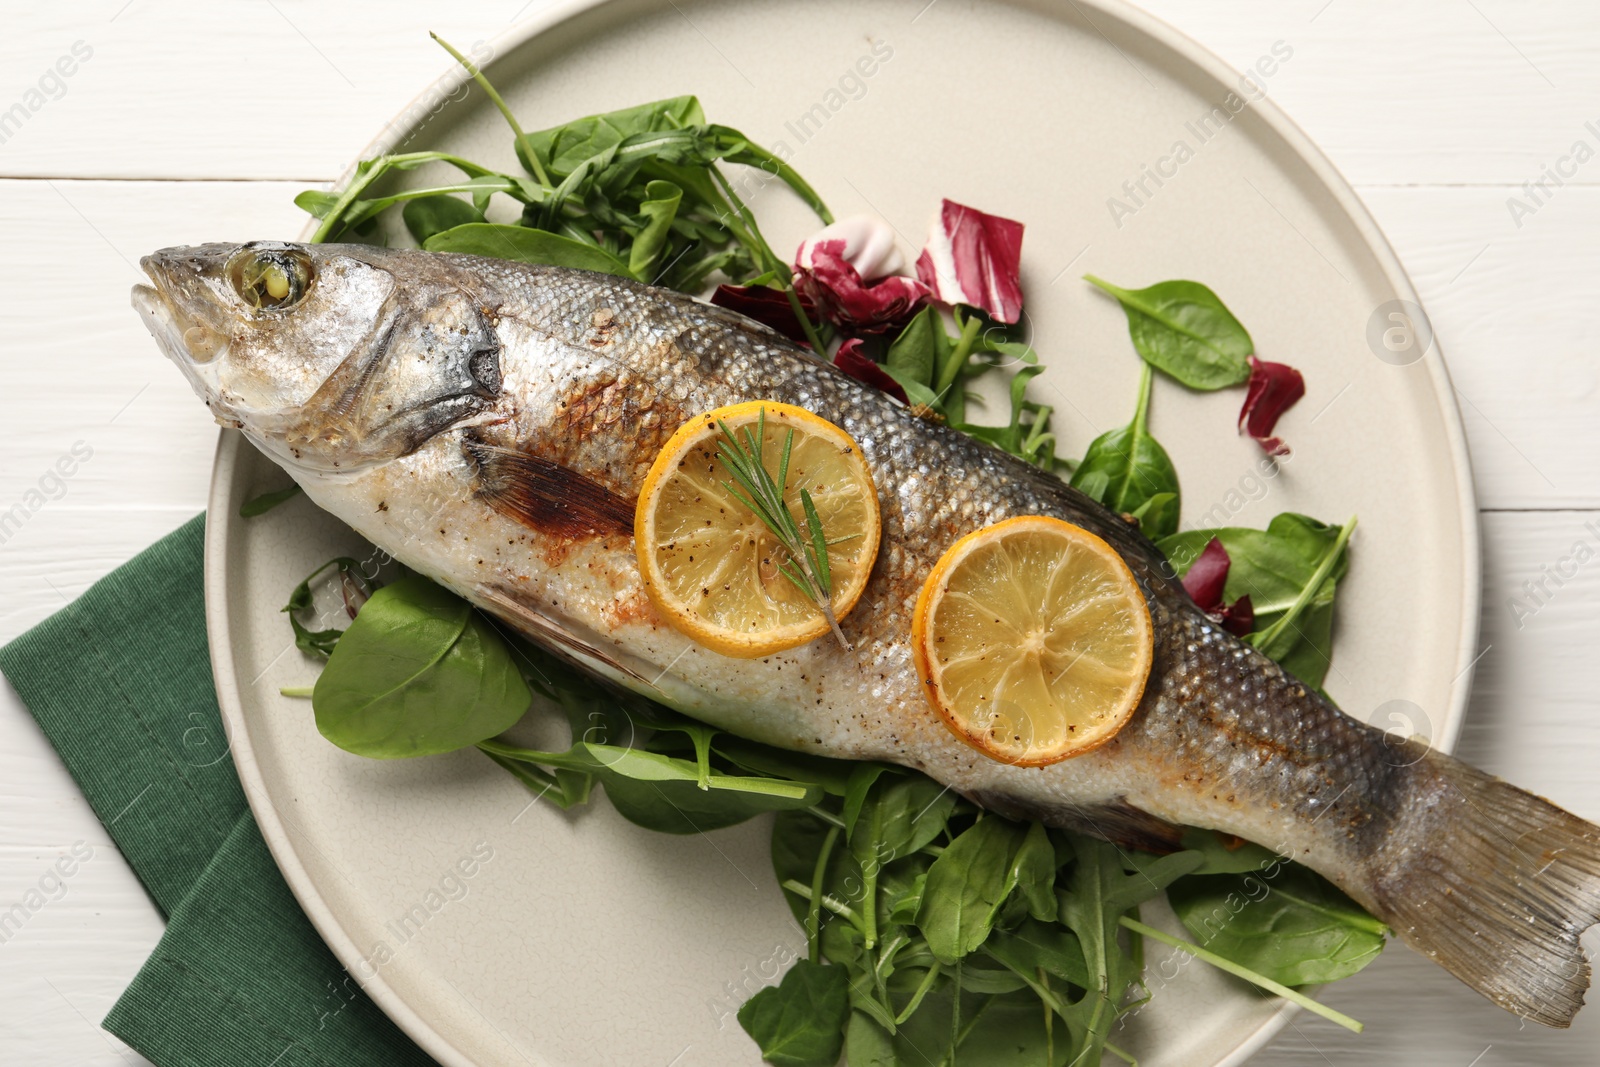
[[120, 681]]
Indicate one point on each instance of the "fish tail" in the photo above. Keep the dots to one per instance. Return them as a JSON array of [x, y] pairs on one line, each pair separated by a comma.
[[1493, 883]]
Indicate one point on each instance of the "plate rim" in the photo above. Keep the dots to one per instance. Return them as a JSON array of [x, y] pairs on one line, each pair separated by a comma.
[[222, 519]]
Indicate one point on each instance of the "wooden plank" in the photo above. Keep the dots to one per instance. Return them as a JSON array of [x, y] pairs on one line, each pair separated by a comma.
[[1488, 91], [84, 372], [295, 88], [289, 89], [1512, 308]]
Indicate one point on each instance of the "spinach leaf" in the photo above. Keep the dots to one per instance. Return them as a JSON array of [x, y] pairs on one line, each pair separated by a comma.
[[429, 215], [316, 202], [264, 503], [526, 245], [800, 1021], [1275, 568], [1181, 327], [901, 814], [1033, 873], [914, 354], [1286, 923], [1127, 470], [1158, 515], [862, 779], [659, 208], [418, 672], [966, 886], [867, 1043]]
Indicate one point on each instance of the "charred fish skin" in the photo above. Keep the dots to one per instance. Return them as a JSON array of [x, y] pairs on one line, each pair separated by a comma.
[[490, 424]]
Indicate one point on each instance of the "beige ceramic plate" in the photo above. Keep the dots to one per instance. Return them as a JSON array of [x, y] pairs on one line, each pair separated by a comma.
[[585, 941]]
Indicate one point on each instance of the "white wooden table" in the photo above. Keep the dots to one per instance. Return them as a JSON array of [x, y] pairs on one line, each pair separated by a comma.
[[196, 121]]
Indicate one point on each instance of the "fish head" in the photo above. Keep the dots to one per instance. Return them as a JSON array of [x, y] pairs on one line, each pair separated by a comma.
[[329, 357]]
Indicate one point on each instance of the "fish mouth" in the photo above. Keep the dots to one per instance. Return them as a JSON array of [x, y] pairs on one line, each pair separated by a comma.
[[185, 335]]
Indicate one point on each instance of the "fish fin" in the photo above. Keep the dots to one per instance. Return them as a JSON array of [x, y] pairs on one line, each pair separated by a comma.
[[1496, 885], [551, 634], [1116, 821], [546, 496]]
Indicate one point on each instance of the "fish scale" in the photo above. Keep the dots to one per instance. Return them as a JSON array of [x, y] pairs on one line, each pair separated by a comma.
[[490, 424]]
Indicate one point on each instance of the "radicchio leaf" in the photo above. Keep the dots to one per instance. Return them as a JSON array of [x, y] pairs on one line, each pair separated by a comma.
[[855, 363], [766, 305], [974, 259], [1273, 389], [1204, 583], [851, 271]]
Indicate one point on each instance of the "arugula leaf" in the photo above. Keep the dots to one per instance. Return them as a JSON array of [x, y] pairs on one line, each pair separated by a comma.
[[1287, 923], [984, 1030], [800, 1021], [1127, 470], [353, 583], [664, 793], [316, 202], [1181, 327], [564, 148], [798, 839], [679, 806], [932, 368], [1274, 568], [1024, 436], [1039, 945], [418, 672], [1219, 854], [831, 775], [890, 817], [1096, 897], [338, 211], [264, 503]]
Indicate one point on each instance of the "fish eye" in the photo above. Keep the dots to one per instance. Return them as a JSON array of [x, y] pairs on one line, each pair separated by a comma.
[[270, 279]]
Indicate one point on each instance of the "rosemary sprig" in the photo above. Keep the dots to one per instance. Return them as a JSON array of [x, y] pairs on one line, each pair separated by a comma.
[[807, 566]]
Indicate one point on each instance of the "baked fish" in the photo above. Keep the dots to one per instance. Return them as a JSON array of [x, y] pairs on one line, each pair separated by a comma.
[[489, 425]]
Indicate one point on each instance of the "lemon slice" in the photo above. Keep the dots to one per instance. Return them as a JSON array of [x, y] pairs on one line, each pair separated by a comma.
[[1033, 640], [709, 563]]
